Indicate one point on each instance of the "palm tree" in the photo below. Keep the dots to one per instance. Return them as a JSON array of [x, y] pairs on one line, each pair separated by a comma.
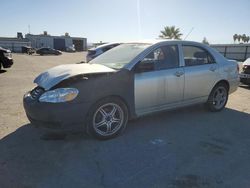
[[235, 37], [247, 39], [204, 41], [239, 38], [171, 33], [243, 37]]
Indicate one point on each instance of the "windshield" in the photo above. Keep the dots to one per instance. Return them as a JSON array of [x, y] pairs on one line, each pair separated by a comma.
[[121, 55]]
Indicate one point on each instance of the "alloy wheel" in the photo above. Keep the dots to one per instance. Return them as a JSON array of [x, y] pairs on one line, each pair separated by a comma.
[[219, 97], [108, 119]]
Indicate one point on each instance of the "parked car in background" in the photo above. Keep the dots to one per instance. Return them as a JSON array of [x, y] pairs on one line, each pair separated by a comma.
[[129, 81], [6, 60], [94, 52], [245, 74], [48, 51], [70, 49], [29, 50]]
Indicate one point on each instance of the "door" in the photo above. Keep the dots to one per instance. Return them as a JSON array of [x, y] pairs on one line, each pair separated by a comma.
[[59, 44], [78, 45], [158, 80], [201, 72], [45, 51]]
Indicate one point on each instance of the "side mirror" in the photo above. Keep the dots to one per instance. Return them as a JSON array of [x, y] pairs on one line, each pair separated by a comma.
[[144, 66]]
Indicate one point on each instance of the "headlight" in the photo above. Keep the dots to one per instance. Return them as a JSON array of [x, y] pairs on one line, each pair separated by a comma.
[[59, 95]]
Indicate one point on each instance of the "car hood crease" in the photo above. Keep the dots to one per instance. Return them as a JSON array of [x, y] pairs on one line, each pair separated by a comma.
[[55, 75]]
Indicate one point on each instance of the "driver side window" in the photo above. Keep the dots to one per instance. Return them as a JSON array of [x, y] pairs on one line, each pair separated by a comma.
[[165, 57]]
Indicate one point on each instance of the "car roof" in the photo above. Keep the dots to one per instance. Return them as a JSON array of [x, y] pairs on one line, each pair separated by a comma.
[[105, 45], [5, 50], [150, 42], [158, 41]]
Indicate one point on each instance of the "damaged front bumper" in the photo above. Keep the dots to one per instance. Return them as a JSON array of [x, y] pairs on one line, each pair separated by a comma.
[[56, 116]]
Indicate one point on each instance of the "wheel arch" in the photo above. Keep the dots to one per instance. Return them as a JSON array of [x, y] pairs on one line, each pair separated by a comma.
[[89, 128], [225, 82], [210, 102]]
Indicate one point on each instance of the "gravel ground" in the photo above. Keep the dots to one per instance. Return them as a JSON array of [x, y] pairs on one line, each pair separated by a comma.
[[183, 148]]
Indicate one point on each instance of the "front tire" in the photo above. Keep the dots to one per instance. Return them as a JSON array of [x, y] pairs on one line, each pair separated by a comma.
[[218, 97], [107, 118]]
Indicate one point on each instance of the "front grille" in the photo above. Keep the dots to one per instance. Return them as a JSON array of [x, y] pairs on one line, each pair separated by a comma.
[[37, 92], [246, 69]]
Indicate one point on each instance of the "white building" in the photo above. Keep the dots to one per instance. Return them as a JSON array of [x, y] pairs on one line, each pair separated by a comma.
[[14, 44], [57, 42]]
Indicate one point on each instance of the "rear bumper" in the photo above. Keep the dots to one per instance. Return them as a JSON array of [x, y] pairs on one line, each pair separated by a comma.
[[233, 85], [245, 79], [60, 116]]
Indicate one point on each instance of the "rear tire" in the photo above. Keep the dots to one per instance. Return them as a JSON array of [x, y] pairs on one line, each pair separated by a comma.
[[218, 97], [107, 118]]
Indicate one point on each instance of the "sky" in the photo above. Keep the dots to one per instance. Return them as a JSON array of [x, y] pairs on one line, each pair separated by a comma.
[[119, 20]]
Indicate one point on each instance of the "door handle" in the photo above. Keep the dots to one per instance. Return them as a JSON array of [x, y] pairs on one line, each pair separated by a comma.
[[212, 68], [178, 73]]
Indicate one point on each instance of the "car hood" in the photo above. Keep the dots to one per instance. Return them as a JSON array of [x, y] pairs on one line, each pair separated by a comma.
[[247, 62], [5, 50], [55, 75]]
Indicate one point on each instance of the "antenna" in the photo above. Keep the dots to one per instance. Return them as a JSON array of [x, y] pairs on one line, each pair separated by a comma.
[[29, 28], [189, 33], [139, 18]]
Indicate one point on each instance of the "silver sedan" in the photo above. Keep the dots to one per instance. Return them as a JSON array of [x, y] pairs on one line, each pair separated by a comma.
[[131, 80]]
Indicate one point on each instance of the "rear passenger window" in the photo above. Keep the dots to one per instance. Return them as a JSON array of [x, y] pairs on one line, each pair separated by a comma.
[[196, 56]]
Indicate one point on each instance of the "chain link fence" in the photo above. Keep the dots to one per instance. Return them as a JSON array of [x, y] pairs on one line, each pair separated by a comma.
[[239, 52]]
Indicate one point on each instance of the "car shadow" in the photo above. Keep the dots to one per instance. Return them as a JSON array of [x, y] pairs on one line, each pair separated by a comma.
[[2, 71], [188, 146], [44, 55], [34, 55], [245, 86], [81, 62]]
